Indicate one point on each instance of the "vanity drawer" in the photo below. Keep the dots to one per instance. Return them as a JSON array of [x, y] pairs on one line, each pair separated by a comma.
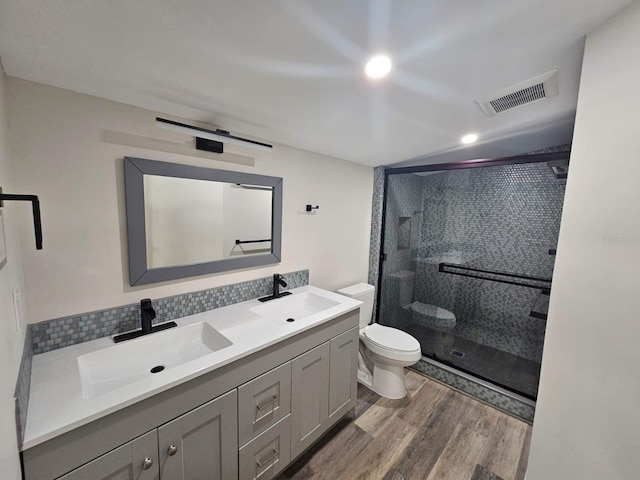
[[268, 454], [263, 401]]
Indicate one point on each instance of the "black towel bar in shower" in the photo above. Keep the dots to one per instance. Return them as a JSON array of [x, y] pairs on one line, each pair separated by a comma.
[[509, 278]]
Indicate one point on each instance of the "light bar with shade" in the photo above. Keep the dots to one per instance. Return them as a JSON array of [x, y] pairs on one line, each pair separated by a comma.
[[217, 137]]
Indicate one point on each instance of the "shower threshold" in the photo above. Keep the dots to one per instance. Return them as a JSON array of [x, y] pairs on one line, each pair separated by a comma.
[[479, 380]]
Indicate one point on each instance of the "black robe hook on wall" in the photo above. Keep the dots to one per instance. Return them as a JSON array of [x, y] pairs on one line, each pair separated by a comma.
[[35, 206], [310, 207]]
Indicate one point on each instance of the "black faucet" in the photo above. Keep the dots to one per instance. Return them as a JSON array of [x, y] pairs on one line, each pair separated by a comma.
[[278, 281], [147, 315]]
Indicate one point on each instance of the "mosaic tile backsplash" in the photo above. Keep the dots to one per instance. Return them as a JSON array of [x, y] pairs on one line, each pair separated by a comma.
[[21, 394], [66, 331]]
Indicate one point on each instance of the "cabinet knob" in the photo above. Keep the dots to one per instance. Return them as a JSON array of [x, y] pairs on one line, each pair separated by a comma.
[[172, 450], [147, 464]]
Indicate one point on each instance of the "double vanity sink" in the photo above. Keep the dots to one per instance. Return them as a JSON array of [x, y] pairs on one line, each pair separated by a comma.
[[108, 394], [122, 364]]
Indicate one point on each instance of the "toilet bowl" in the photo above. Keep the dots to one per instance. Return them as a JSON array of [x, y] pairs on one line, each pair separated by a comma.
[[384, 351]]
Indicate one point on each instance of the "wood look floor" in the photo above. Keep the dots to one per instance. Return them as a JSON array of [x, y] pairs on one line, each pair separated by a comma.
[[433, 433]]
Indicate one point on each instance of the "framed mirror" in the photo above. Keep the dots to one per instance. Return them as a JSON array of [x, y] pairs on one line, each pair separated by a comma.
[[184, 221]]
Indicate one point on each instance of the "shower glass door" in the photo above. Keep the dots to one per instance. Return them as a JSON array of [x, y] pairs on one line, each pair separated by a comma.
[[468, 264]]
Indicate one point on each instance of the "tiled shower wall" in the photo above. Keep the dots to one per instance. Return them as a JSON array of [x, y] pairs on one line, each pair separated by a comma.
[[513, 246], [376, 222], [503, 218], [403, 220]]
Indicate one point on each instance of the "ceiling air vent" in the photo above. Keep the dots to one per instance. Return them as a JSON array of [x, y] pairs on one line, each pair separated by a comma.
[[523, 93]]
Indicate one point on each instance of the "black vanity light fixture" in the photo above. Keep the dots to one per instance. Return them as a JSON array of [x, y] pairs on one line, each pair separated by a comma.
[[211, 140], [35, 207]]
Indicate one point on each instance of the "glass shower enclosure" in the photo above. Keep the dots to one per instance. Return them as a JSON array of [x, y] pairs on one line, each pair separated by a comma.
[[467, 263]]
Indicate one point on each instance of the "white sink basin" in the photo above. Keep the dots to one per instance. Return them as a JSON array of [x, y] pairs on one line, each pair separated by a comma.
[[129, 362], [296, 306]]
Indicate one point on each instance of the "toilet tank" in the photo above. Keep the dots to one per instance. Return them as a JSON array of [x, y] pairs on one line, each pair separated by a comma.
[[363, 292]]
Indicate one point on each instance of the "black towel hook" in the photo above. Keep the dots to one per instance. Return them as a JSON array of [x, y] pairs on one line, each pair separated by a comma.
[[35, 206]]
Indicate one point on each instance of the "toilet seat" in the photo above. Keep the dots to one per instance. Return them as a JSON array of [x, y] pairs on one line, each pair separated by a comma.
[[391, 343], [390, 338]]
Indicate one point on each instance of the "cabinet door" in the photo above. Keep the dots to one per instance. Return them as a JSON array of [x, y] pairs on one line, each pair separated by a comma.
[[136, 460], [201, 444], [309, 397], [343, 382]]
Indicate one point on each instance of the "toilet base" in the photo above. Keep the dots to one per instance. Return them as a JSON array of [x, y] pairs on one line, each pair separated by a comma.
[[387, 381]]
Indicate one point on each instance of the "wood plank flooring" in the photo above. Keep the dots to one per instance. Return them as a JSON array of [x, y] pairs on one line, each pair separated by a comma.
[[433, 433]]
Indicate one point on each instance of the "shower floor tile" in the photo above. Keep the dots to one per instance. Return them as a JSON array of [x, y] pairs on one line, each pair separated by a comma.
[[502, 368]]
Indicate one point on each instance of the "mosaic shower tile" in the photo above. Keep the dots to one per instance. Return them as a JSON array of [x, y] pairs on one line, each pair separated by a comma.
[[497, 399], [376, 228], [503, 218]]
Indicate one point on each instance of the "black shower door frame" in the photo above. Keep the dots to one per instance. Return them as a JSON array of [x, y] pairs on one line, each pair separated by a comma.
[[476, 163]]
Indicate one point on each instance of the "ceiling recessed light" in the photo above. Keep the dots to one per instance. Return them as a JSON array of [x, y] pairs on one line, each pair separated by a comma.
[[378, 66], [470, 138]]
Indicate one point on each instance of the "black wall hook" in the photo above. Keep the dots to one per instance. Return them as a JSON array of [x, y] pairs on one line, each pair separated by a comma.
[[309, 207], [35, 206]]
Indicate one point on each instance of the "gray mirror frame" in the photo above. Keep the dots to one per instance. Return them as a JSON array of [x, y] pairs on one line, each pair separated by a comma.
[[134, 171]]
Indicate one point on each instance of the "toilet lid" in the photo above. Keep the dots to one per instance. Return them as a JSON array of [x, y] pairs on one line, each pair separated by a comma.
[[391, 338]]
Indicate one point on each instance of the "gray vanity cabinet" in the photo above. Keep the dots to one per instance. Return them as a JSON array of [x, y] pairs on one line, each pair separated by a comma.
[[136, 460], [323, 388], [245, 420], [202, 443]]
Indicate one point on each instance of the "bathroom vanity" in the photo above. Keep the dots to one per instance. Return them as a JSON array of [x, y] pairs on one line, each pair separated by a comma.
[[245, 410]]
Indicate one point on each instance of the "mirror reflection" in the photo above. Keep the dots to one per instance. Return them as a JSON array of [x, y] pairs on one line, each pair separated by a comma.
[[180, 213]]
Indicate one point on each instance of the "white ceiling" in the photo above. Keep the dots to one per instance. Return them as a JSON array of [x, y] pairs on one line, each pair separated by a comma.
[[290, 71]]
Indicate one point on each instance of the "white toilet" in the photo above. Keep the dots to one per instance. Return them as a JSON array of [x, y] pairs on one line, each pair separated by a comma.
[[384, 351]]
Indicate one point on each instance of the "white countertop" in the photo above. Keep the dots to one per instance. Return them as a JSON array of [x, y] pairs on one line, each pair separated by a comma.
[[56, 402]]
